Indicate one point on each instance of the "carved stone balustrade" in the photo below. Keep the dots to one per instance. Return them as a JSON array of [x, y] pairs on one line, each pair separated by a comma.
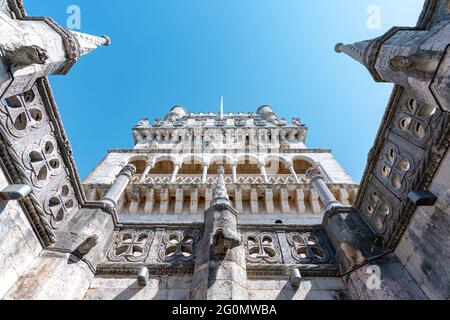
[[181, 179]]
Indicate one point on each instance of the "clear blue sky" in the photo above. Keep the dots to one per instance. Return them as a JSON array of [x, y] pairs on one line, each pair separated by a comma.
[[252, 52]]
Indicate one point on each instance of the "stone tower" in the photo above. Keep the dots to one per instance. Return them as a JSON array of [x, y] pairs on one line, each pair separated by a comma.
[[225, 206], [170, 176], [176, 161]]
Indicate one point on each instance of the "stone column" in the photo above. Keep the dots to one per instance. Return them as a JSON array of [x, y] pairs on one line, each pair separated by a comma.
[[262, 168], [220, 266], [175, 173], [205, 173], [233, 172], [115, 192], [146, 172], [318, 183], [293, 173]]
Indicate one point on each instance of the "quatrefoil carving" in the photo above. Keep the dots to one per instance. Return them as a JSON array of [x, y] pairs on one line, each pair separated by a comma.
[[178, 246], [306, 248], [395, 167], [378, 209], [262, 247], [43, 161], [131, 246], [59, 204], [22, 113]]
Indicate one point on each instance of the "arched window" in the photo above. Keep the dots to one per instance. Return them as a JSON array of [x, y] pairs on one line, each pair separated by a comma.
[[140, 165], [247, 165], [163, 167], [301, 166], [191, 165]]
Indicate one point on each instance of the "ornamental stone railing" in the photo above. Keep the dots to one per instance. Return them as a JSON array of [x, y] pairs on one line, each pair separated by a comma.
[[276, 179]]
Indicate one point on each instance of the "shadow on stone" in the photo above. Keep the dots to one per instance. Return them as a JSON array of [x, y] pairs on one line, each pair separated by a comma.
[[287, 293], [130, 292]]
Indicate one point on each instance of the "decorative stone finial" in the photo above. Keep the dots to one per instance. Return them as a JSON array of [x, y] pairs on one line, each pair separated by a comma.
[[220, 194], [338, 47], [89, 43], [357, 51]]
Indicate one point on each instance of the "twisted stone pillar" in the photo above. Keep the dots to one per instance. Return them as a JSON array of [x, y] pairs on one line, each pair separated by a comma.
[[115, 192], [318, 183]]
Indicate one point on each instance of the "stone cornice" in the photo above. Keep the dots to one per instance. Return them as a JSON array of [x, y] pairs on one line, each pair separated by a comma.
[[253, 270], [133, 268], [194, 151], [261, 270], [209, 185]]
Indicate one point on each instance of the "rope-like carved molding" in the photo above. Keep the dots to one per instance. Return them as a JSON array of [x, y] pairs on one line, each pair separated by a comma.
[[17, 7], [155, 269], [30, 203], [62, 139], [255, 271]]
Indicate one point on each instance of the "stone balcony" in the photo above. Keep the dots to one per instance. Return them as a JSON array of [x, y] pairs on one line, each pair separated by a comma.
[[187, 179]]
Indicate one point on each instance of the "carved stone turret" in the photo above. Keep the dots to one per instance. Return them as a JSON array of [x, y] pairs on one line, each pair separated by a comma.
[[220, 266], [410, 58], [38, 47]]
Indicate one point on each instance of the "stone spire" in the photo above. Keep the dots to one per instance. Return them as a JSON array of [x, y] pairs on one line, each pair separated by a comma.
[[220, 194], [366, 52], [89, 43], [36, 48], [357, 51]]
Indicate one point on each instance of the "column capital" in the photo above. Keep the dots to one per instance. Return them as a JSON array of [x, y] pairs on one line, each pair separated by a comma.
[[314, 173], [151, 163], [178, 163], [128, 170]]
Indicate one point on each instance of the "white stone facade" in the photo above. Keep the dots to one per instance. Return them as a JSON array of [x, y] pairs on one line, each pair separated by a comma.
[[265, 162]]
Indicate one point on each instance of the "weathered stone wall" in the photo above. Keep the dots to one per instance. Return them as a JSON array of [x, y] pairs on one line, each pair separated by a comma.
[[396, 282], [279, 288], [163, 287], [159, 287], [425, 247], [18, 244], [52, 277], [420, 267]]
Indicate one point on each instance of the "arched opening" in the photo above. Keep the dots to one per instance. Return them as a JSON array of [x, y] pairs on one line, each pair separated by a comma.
[[247, 165], [276, 166], [163, 167], [301, 166], [191, 165], [140, 165], [215, 163]]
